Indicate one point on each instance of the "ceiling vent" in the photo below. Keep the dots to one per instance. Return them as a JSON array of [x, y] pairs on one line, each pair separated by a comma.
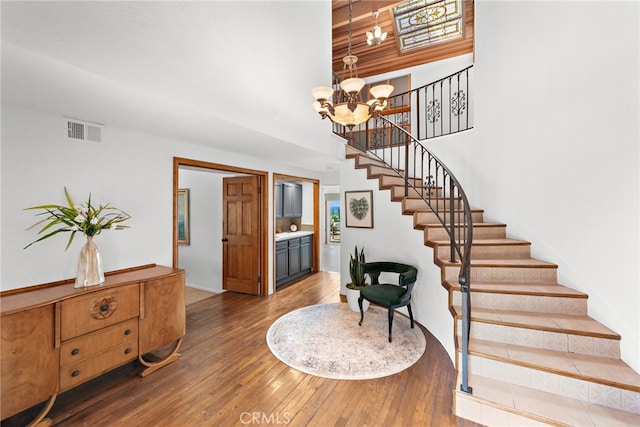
[[78, 130]]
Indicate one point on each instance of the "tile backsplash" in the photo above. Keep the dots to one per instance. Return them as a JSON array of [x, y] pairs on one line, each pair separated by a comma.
[[284, 224]]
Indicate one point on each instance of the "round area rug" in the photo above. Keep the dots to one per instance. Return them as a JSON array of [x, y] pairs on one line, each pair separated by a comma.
[[325, 340]]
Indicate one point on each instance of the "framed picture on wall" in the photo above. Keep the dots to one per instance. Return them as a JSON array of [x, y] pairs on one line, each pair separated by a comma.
[[183, 216], [359, 208]]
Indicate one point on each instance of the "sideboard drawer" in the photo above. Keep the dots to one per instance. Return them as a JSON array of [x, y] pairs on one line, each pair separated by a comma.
[[84, 370], [78, 349], [98, 310]]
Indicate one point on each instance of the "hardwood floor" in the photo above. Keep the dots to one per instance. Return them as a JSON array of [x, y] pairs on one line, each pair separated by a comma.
[[228, 377]]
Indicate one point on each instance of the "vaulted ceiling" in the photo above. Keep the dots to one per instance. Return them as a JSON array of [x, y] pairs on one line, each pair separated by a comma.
[[386, 57]]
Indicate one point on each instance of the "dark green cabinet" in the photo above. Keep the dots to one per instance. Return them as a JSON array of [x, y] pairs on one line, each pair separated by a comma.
[[294, 259]]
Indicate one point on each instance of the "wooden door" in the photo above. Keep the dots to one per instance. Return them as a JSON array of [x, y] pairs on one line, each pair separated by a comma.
[[241, 235]]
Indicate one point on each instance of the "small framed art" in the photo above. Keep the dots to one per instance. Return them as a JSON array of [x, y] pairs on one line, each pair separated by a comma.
[[359, 208], [183, 216]]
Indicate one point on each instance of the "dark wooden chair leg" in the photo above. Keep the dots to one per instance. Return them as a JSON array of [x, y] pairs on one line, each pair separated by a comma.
[[361, 310], [390, 322], [410, 314]]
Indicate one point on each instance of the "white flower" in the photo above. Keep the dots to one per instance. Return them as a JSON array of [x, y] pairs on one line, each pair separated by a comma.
[[79, 219], [94, 221]]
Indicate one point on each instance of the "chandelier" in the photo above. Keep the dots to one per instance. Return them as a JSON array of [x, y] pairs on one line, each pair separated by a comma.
[[375, 37], [349, 109]]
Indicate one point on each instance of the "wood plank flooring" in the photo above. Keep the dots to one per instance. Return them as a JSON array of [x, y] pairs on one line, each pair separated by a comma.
[[228, 377]]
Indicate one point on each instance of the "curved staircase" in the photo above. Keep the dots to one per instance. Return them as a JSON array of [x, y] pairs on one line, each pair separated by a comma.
[[535, 356]]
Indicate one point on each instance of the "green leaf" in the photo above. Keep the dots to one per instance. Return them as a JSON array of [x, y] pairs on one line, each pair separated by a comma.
[[68, 196]]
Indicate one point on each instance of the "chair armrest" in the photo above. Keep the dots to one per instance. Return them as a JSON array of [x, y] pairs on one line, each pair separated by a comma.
[[408, 277]]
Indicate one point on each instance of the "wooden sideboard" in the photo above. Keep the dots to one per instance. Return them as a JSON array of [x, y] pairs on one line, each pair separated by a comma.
[[55, 337]]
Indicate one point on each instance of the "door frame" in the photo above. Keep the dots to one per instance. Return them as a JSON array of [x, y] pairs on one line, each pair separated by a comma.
[[263, 211], [316, 217]]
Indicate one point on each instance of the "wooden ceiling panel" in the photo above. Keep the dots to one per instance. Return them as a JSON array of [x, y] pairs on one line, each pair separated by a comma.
[[386, 57]]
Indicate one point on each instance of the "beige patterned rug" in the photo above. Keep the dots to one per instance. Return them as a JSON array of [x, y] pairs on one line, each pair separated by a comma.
[[325, 340]]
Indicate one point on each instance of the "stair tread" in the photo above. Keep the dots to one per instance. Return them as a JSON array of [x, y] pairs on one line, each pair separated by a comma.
[[598, 369], [519, 288], [553, 322], [546, 407]]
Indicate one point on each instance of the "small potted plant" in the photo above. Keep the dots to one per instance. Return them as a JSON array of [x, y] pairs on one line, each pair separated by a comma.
[[357, 280]]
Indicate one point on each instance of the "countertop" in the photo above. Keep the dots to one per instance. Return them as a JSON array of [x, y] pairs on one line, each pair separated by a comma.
[[291, 235]]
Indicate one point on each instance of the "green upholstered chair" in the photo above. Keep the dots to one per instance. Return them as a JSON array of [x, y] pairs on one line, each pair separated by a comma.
[[388, 295]]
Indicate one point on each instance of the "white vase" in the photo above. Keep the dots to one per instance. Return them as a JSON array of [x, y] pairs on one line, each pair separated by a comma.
[[352, 300], [89, 266]]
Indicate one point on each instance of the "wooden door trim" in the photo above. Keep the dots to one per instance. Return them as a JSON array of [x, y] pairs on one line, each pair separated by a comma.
[[316, 215], [263, 211]]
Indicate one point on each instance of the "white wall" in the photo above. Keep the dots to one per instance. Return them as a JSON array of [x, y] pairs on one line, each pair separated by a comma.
[[202, 258], [131, 170], [393, 238], [554, 153], [307, 203]]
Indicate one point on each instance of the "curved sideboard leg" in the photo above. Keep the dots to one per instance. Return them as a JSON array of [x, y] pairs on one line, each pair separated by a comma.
[[40, 420], [154, 366]]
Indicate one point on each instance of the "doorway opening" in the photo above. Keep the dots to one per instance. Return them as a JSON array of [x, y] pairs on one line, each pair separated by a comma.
[[299, 213], [333, 217], [185, 219]]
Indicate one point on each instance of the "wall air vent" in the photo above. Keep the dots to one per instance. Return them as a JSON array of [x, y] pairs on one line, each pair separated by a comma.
[[78, 130]]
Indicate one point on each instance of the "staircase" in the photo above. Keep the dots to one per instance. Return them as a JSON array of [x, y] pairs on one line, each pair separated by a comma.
[[535, 356]]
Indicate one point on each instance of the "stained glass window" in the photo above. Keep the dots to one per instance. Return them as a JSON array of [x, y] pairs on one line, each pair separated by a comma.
[[420, 23]]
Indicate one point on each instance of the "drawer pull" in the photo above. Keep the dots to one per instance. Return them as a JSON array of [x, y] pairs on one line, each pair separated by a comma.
[[127, 332], [75, 351], [103, 307], [127, 351], [75, 373]]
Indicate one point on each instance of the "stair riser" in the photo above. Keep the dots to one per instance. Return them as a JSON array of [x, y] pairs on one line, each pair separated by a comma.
[[363, 161], [505, 274], [397, 193], [469, 408], [432, 218], [414, 205], [574, 388], [387, 181], [374, 171], [559, 341], [492, 232], [534, 303], [490, 252]]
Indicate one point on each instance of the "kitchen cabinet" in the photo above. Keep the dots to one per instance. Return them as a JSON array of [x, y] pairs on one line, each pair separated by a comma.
[[294, 257], [278, 202], [282, 261], [288, 200], [306, 253], [55, 336]]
